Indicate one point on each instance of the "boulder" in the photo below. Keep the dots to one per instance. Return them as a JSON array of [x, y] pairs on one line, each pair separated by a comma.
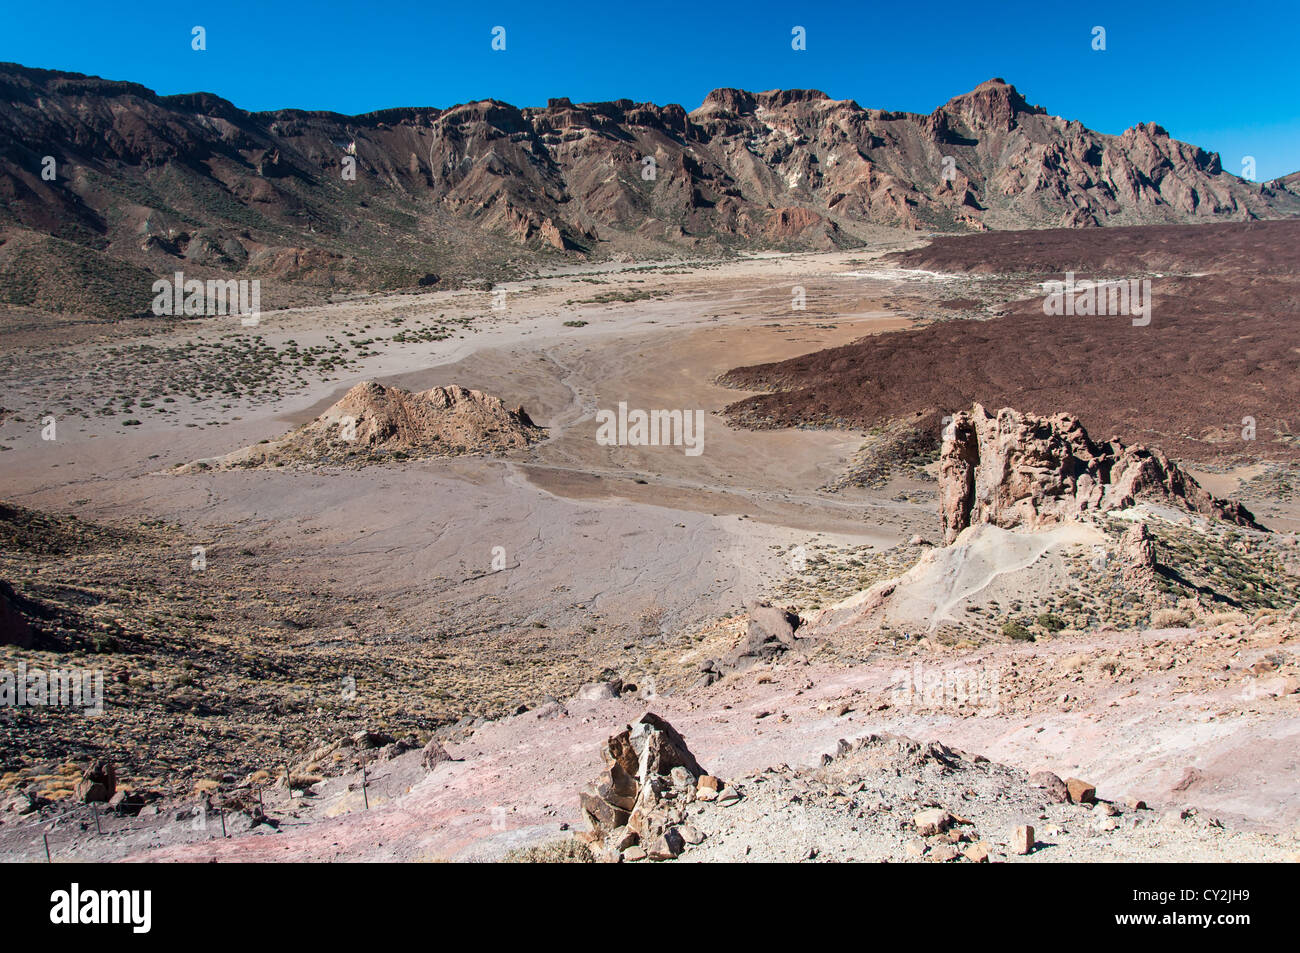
[[1022, 842], [97, 784], [1053, 787], [771, 633], [667, 845], [943, 853], [1081, 792], [23, 803], [601, 691], [433, 755], [932, 821]]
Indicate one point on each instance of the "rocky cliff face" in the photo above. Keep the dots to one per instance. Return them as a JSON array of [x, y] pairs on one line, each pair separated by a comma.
[[1019, 470], [163, 182]]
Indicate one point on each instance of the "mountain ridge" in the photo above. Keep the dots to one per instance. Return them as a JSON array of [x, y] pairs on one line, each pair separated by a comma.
[[147, 184]]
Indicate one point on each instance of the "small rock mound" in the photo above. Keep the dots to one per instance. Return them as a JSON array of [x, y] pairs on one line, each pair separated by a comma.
[[637, 807], [1013, 469], [376, 423]]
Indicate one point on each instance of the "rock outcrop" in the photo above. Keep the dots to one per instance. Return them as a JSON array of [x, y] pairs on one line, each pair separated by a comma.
[[771, 632], [375, 423], [1019, 470], [1137, 553], [636, 808], [27, 623], [98, 783]]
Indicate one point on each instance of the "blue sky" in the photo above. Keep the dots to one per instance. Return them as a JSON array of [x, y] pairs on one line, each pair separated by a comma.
[[1224, 76]]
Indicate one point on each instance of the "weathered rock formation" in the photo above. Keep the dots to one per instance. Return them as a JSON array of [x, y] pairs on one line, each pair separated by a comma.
[[373, 422], [1137, 553], [433, 755], [1012, 470], [636, 808], [98, 783]]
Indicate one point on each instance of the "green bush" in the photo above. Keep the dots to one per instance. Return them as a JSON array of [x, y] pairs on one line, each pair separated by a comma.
[[1050, 622], [1017, 632]]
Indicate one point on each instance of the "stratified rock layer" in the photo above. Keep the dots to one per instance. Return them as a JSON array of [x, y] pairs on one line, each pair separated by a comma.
[[150, 184]]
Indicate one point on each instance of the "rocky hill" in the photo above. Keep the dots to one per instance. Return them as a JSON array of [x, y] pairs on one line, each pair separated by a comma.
[[313, 202], [373, 423]]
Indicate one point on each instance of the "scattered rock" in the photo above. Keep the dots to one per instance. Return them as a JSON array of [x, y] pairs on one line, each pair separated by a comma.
[[1081, 792], [943, 854], [932, 821], [126, 802], [1022, 842], [691, 835], [667, 845]]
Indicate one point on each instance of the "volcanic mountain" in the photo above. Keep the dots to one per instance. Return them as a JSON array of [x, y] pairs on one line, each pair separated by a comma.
[[113, 184]]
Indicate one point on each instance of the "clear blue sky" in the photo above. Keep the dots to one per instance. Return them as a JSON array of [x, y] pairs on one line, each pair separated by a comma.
[[1224, 76]]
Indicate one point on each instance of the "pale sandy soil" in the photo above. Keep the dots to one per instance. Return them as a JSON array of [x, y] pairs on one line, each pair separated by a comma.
[[694, 538]]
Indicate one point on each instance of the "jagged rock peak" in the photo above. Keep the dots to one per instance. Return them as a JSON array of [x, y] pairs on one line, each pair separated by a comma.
[[1019, 470]]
